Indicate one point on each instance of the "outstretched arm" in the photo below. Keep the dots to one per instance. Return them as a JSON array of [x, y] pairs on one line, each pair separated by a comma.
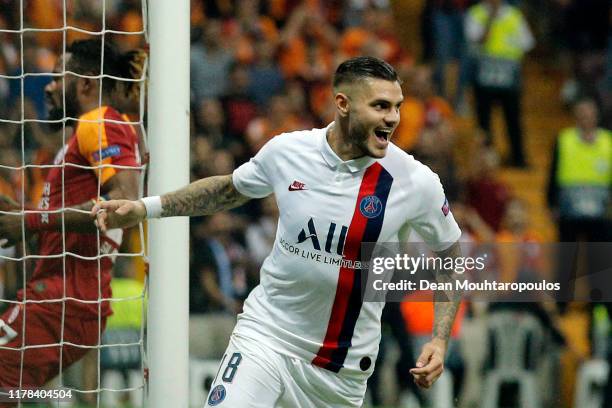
[[446, 304], [75, 218], [430, 363], [202, 197]]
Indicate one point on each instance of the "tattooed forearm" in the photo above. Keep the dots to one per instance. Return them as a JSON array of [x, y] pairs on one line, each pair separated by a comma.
[[446, 303], [203, 197], [444, 310]]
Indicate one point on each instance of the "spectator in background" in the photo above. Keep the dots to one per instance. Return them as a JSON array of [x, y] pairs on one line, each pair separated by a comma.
[[584, 30], [35, 60], [265, 77], [218, 9], [449, 43], [46, 14], [307, 102], [239, 106], [307, 58], [373, 36], [201, 154], [520, 255], [248, 29], [307, 36], [605, 89], [426, 127], [393, 325], [279, 118], [129, 19], [210, 63], [313, 78], [219, 282], [579, 194], [515, 225], [581, 178], [417, 309], [353, 10], [421, 108], [500, 36], [260, 234], [8, 60], [485, 191], [222, 162], [210, 122], [474, 229]]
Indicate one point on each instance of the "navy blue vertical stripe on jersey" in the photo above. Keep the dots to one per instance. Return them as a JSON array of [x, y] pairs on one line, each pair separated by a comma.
[[371, 234]]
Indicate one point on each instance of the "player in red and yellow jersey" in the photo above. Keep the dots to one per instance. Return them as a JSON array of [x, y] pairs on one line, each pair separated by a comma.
[[73, 267]]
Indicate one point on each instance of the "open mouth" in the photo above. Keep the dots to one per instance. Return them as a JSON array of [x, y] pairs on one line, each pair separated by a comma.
[[383, 135]]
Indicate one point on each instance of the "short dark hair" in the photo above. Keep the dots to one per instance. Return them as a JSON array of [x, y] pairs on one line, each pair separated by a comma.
[[359, 68], [87, 58]]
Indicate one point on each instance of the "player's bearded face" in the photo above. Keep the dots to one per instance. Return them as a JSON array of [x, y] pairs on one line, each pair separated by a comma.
[[56, 100], [56, 105], [374, 115]]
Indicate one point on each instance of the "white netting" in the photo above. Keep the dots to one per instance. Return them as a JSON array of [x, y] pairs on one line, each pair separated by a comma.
[[118, 343]]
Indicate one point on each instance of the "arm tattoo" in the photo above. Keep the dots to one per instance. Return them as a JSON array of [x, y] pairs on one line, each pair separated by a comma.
[[446, 303], [203, 197]]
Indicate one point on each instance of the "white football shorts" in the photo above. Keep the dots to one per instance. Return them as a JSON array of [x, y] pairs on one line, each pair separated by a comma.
[[252, 375]]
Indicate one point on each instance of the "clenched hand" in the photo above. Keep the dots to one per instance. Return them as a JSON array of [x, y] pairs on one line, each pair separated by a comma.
[[118, 214], [430, 364]]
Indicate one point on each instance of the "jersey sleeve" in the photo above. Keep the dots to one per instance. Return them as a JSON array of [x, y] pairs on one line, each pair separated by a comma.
[[254, 178], [435, 223], [106, 145]]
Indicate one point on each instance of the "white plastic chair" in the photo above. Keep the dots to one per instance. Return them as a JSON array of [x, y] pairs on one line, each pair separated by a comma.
[[592, 377], [513, 335]]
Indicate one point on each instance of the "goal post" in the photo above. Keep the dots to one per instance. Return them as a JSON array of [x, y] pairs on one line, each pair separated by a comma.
[[168, 129]]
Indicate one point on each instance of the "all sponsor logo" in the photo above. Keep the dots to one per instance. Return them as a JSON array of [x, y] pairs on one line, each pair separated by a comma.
[[336, 234]]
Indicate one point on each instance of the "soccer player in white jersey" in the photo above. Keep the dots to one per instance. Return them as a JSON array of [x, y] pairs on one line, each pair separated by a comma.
[[306, 338]]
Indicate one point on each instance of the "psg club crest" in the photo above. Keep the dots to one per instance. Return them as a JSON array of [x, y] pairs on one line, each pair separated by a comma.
[[217, 395], [370, 206]]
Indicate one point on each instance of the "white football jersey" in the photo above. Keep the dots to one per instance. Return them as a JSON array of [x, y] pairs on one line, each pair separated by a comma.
[[308, 303]]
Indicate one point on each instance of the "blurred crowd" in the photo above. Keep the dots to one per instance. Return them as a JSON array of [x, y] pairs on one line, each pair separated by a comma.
[[263, 67]]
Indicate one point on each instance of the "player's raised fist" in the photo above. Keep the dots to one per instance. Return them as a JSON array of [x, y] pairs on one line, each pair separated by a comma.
[[118, 214]]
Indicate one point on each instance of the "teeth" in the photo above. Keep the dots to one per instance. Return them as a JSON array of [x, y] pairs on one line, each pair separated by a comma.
[[386, 132]]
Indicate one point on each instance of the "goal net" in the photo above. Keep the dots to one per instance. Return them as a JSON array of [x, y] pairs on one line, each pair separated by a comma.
[[35, 161]]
